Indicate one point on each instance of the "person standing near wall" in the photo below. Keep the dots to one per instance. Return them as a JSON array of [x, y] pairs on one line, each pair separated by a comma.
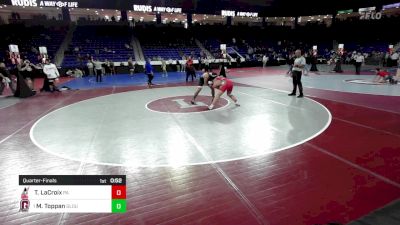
[[164, 68], [98, 66], [89, 66], [131, 66], [190, 70], [265, 60]]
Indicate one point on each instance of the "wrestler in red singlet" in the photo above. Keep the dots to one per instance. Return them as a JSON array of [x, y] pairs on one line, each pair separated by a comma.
[[222, 84]]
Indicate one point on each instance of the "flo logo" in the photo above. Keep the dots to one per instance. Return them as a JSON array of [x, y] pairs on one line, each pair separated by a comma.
[[24, 203], [371, 15], [182, 104]]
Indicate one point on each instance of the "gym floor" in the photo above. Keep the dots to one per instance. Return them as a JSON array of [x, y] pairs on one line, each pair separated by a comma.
[[333, 156]]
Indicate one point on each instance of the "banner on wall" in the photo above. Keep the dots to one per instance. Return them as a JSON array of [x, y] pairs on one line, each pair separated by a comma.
[[242, 14], [160, 9], [36, 3]]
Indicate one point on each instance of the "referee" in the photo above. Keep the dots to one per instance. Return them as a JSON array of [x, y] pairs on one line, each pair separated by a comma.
[[297, 70], [359, 58]]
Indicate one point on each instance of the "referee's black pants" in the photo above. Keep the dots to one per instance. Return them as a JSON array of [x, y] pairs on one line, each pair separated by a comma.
[[358, 67], [191, 73], [99, 76], [296, 75]]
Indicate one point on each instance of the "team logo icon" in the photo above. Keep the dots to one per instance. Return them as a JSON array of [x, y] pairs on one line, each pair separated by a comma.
[[24, 203]]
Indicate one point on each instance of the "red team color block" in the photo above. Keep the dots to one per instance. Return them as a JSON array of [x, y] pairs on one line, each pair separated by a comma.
[[118, 192]]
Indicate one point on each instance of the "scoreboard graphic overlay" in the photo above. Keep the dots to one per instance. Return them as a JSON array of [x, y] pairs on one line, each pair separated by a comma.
[[72, 193]]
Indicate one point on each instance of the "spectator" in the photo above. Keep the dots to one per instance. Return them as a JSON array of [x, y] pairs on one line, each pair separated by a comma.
[[98, 66], [131, 66], [90, 66], [112, 68], [265, 60], [290, 62], [250, 51], [207, 63], [164, 68], [222, 70], [178, 66], [190, 70], [338, 63], [27, 71], [314, 61], [52, 74], [5, 79], [75, 73], [106, 66], [394, 58], [183, 64]]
